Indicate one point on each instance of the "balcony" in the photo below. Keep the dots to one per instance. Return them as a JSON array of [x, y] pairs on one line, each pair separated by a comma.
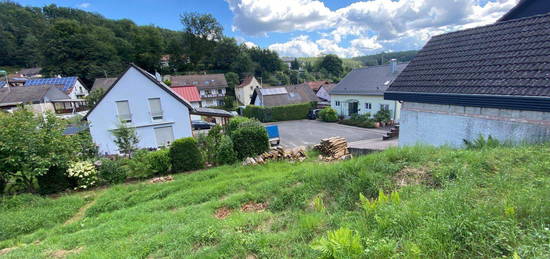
[[212, 95], [69, 106]]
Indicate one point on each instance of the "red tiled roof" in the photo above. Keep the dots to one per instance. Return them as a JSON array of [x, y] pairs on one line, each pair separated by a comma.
[[189, 93], [315, 85], [246, 81]]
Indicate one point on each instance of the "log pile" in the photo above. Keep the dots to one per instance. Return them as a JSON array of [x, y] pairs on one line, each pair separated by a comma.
[[335, 148], [278, 153]]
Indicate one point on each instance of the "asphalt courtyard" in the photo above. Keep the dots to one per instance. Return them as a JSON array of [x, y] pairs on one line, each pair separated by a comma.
[[310, 132]]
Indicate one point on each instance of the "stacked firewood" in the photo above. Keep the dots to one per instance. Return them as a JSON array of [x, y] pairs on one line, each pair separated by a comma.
[[278, 153], [335, 148]]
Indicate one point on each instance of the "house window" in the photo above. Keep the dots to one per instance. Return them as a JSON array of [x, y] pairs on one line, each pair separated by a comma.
[[164, 136], [208, 92], [384, 106], [155, 108], [220, 103], [368, 106], [220, 91], [123, 109], [337, 103]]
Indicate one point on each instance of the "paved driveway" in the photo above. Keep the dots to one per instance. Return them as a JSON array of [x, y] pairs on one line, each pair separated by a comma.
[[310, 132]]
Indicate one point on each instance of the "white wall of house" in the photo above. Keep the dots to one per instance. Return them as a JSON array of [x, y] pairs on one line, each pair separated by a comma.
[[323, 94], [449, 124], [340, 104], [244, 93], [78, 91], [212, 97], [135, 88]]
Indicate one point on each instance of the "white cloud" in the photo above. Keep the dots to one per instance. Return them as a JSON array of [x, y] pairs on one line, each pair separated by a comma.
[[300, 46], [84, 5], [373, 24]]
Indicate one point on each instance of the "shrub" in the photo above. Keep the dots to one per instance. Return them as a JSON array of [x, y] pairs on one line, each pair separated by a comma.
[[382, 116], [54, 181], [250, 140], [328, 114], [138, 167], [278, 113], [159, 161], [234, 124], [126, 139], [364, 121], [112, 172], [481, 143], [341, 243], [85, 174], [185, 155], [226, 153]]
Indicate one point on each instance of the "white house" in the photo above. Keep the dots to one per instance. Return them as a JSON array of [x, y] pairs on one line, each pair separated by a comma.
[[72, 86], [158, 114], [362, 91], [245, 90]]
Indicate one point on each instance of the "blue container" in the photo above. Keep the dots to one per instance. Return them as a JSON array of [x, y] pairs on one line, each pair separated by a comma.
[[272, 131]]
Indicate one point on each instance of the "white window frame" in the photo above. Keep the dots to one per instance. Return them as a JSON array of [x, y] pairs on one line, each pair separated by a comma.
[[119, 116], [156, 117]]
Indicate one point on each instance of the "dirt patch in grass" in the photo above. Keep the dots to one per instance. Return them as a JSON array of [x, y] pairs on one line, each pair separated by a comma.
[[64, 253], [266, 225], [162, 179], [254, 207], [251, 256], [7, 250], [81, 212], [222, 213], [413, 176]]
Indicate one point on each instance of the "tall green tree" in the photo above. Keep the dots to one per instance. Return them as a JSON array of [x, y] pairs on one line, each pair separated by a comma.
[[332, 64], [201, 31]]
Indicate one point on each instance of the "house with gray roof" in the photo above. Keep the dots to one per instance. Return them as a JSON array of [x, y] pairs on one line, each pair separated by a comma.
[[361, 91], [283, 95], [40, 99], [492, 80], [103, 83]]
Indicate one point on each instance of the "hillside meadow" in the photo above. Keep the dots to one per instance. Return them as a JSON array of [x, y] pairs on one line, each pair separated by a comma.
[[417, 202]]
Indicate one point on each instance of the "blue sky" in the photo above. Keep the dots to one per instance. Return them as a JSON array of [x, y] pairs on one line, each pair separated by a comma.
[[311, 27]]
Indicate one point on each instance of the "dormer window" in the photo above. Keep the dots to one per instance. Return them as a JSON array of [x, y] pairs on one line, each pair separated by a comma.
[[156, 109]]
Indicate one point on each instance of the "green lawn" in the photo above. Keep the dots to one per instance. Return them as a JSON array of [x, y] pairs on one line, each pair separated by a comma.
[[452, 204]]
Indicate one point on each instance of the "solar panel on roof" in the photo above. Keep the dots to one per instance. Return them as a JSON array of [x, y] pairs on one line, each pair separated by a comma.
[[67, 82], [273, 91]]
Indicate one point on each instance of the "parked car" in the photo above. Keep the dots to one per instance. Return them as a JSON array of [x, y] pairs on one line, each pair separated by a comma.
[[313, 114], [200, 124]]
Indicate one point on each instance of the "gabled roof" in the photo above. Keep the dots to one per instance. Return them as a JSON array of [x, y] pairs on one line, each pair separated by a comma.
[[284, 95], [15, 95], [315, 85], [200, 81], [67, 82], [507, 59], [247, 80], [30, 71], [148, 76], [103, 83], [372, 80], [526, 8], [189, 93], [211, 112]]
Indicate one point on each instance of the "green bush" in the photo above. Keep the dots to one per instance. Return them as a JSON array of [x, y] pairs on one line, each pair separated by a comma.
[[278, 113], [225, 153], [185, 155], [328, 114], [364, 121], [250, 140], [158, 161], [54, 181], [341, 243], [138, 166], [85, 174], [235, 123], [112, 172], [382, 116]]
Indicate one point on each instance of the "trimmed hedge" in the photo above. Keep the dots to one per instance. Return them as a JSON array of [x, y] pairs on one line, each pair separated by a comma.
[[225, 153], [159, 161], [250, 140], [185, 155], [278, 113]]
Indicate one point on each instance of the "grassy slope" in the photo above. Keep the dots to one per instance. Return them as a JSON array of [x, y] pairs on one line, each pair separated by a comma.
[[476, 204]]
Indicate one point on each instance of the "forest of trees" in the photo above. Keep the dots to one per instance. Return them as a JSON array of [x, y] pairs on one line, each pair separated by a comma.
[[72, 42]]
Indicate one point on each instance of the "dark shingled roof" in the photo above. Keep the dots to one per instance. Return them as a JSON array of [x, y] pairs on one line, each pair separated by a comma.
[[368, 80], [21, 94], [508, 58], [295, 94], [103, 83], [200, 81]]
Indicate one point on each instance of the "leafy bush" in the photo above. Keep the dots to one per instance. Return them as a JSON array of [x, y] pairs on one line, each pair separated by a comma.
[[235, 123], [185, 155], [364, 121], [159, 161], [87, 148], [328, 114], [481, 143], [54, 181], [85, 174], [278, 113], [250, 140], [226, 153], [341, 243], [138, 166], [382, 116], [112, 171]]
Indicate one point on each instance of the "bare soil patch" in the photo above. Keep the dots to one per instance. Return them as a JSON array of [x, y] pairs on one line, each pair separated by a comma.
[[7, 250], [64, 253], [162, 179], [413, 176], [222, 213], [254, 207]]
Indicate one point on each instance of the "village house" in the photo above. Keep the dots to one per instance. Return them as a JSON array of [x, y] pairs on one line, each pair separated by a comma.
[[316, 85], [492, 80], [40, 99], [34, 72], [72, 86], [245, 90], [324, 92], [362, 91], [212, 87], [283, 95], [158, 114]]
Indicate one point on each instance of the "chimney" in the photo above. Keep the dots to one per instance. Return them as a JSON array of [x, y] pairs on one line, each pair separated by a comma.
[[393, 65]]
